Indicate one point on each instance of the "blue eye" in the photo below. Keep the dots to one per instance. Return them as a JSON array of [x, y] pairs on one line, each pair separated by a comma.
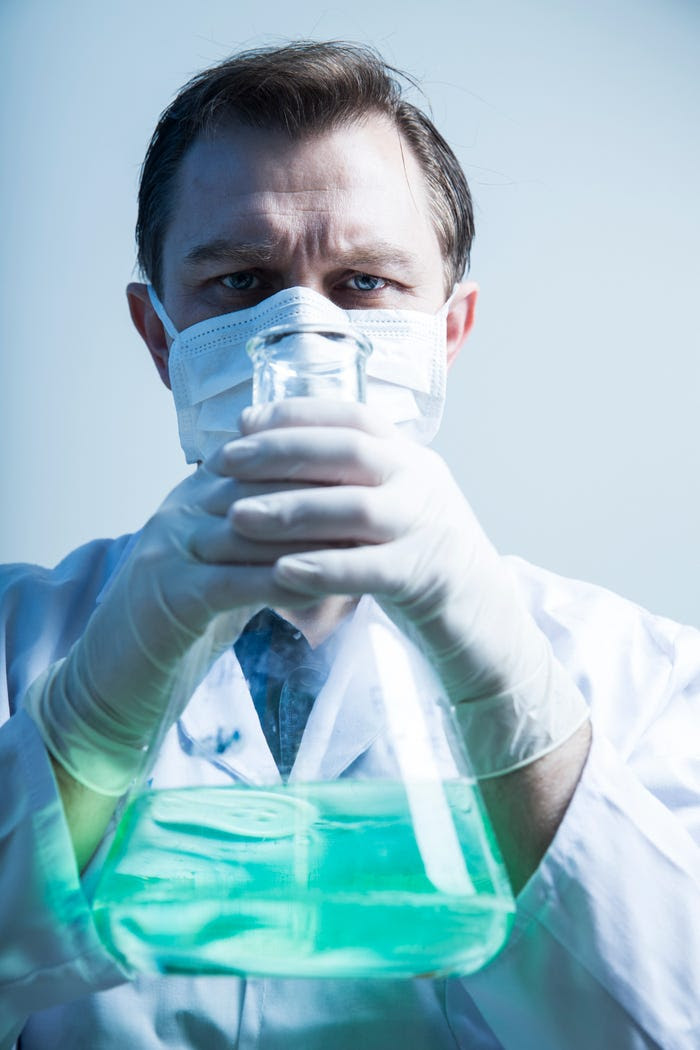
[[366, 282], [240, 282]]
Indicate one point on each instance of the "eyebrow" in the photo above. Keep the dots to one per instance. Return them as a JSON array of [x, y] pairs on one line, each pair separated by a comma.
[[376, 254], [221, 250]]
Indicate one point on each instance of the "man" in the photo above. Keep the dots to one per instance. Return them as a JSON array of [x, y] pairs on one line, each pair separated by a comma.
[[296, 182]]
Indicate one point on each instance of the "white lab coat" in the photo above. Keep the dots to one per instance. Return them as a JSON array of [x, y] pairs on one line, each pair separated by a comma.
[[605, 950]]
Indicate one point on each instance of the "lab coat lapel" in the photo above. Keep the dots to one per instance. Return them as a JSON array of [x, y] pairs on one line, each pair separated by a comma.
[[223, 700], [347, 716], [350, 712], [343, 723]]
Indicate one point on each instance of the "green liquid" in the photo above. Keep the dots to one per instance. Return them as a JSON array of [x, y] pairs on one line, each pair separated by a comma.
[[313, 880]]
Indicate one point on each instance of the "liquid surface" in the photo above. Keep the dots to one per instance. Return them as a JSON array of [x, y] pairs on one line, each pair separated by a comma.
[[338, 879]]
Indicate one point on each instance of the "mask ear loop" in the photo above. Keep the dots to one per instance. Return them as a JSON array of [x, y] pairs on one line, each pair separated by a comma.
[[160, 311], [445, 308]]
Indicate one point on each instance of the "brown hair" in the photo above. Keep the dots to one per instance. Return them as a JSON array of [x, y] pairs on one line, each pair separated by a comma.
[[301, 88]]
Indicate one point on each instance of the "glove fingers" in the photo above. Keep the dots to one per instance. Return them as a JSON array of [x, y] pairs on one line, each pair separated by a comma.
[[314, 412], [215, 541], [353, 571], [227, 587], [222, 494], [328, 455], [347, 514]]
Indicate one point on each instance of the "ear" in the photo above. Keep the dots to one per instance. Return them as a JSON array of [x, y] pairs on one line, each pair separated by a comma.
[[149, 327], [460, 317]]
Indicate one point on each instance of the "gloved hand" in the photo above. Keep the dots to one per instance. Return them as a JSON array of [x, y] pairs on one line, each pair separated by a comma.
[[183, 595], [389, 520]]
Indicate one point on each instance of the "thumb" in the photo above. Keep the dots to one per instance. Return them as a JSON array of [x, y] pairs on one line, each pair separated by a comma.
[[352, 571]]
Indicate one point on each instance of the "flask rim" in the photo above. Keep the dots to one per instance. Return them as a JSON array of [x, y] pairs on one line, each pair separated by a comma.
[[362, 344]]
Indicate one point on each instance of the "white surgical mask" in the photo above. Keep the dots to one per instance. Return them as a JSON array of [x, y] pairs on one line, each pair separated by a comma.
[[212, 376]]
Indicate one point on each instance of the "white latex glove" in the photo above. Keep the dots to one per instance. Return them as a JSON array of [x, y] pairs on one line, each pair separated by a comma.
[[187, 589], [389, 520]]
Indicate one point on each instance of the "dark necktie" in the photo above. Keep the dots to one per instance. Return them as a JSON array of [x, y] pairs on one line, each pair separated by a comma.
[[284, 675]]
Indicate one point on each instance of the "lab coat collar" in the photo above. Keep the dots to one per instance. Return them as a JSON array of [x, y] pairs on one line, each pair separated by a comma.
[[343, 723]]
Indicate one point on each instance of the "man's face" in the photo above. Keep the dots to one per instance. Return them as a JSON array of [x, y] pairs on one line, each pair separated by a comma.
[[344, 213]]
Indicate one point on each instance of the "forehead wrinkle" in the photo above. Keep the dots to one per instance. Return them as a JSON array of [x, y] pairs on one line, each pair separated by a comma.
[[215, 190], [271, 224], [284, 235]]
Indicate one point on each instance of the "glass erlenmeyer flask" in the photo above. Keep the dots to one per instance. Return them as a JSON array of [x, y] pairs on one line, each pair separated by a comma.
[[372, 856], [308, 360]]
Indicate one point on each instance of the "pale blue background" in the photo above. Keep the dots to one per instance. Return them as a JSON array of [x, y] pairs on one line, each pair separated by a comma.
[[573, 419]]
